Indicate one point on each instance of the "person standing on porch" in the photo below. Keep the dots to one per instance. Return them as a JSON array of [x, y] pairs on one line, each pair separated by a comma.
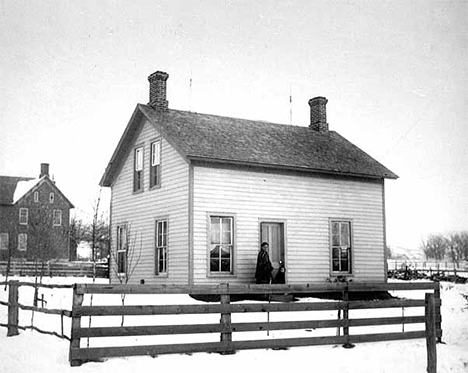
[[264, 267]]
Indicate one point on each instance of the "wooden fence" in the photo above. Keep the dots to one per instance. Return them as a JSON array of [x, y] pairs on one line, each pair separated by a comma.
[[14, 306], [226, 328], [57, 268], [426, 266]]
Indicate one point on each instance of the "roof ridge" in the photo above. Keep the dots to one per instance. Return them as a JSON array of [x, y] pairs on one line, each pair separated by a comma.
[[227, 117]]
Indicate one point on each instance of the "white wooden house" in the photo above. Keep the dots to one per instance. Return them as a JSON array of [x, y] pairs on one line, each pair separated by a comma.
[[194, 195]]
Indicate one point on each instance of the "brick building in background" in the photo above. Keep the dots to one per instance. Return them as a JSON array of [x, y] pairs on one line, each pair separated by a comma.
[[34, 218]]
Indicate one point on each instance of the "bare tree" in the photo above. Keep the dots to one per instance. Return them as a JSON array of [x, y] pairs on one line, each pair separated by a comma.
[[435, 247], [126, 256], [77, 234], [455, 246]]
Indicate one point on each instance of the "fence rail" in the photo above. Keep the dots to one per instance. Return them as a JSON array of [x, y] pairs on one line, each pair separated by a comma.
[[14, 306], [61, 268], [227, 328]]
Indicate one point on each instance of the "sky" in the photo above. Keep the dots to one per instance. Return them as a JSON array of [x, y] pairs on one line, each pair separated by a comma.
[[394, 72]]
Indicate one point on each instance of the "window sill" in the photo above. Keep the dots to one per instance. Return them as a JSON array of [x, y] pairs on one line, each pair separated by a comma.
[[155, 187], [221, 275], [137, 191]]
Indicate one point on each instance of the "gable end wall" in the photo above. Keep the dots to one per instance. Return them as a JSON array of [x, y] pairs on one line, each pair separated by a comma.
[[140, 211]]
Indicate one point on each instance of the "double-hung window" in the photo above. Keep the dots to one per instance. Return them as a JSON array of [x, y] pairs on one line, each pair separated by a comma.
[[155, 164], [23, 216], [22, 242], [122, 250], [341, 246], [161, 247], [4, 241], [138, 170], [221, 244], [57, 218]]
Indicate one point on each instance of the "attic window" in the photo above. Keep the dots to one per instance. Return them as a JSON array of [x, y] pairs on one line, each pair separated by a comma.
[[138, 170], [36, 196], [155, 166], [51, 197]]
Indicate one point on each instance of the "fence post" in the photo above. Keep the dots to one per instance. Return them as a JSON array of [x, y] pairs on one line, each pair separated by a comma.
[[13, 309], [346, 318], [431, 333], [75, 325], [438, 312], [226, 337]]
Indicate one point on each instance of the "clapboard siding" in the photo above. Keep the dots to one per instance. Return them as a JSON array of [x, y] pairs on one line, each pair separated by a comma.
[[141, 210], [305, 204]]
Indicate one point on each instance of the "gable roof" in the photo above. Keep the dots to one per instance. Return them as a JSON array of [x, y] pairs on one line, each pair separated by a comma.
[[240, 141], [8, 186], [13, 189]]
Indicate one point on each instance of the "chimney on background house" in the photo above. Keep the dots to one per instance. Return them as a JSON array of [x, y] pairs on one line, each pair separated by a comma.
[[44, 170], [157, 91], [318, 114]]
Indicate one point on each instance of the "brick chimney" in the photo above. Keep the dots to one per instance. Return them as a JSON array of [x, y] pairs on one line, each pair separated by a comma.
[[318, 114], [44, 170], [157, 92]]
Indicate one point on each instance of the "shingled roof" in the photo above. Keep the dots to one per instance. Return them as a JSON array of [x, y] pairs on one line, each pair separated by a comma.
[[252, 143]]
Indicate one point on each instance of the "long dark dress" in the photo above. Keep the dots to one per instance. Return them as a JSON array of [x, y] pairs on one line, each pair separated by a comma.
[[264, 268]]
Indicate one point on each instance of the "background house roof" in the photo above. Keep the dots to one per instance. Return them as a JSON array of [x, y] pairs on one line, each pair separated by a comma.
[[13, 188], [8, 186], [241, 141]]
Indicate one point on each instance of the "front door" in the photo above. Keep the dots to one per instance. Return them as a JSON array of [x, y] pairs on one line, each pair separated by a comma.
[[273, 233]]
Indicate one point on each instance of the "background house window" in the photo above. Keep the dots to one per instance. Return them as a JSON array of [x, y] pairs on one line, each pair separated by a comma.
[[22, 241], [57, 220], [23, 216], [221, 244], [161, 247], [155, 166], [4, 241], [138, 170], [36, 196], [122, 247], [341, 246], [51, 197]]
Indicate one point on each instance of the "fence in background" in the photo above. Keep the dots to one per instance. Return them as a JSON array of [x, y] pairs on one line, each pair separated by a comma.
[[55, 268], [226, 328], [421, 265], [14, 306]]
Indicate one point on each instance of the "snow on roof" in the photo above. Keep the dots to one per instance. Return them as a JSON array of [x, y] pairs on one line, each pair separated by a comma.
[[24, 187]]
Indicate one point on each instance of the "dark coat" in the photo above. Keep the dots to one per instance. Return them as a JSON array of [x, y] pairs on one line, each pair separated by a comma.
[[264, 268], [280, 277]]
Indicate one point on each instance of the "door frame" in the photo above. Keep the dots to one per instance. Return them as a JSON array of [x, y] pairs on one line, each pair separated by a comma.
[[285, 239]]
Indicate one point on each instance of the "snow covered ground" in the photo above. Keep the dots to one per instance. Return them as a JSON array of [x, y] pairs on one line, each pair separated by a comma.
[[34, 352]]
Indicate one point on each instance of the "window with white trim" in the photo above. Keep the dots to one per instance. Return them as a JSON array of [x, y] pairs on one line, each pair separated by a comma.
[[161, 247], [155, 164], [221, 244], [341, 246], [122, 250], [138, 170], [22, 241], [36, 196], [57, 218], [23, 215], [4, 241], [51, 197]]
